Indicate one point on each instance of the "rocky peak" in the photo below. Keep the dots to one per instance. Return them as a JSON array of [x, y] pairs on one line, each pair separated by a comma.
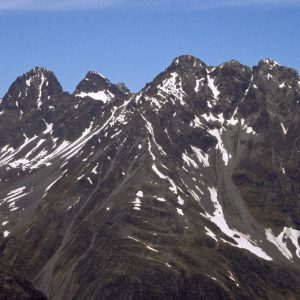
[[98, 87], [32, 90], [123, 88], [93, 82], [185, 74], [231, 80], [40, 76], [270, 68], [233, 67], [188, 67], [268, 63], [187, 62]]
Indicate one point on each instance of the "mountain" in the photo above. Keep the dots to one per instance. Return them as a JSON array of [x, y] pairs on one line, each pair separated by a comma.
[[188, 189]]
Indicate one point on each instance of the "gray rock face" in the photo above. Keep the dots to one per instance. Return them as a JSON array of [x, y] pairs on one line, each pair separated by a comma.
[[15, 287], [187, 190]]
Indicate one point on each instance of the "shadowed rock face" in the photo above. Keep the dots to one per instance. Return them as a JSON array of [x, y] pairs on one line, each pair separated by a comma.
[[187, 190], [15, 287]]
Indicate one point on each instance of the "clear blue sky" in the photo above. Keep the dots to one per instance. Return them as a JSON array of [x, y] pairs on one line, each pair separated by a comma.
[[131, 42]]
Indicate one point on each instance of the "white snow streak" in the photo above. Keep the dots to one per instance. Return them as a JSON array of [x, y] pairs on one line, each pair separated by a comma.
[[53, 182], [173, 86], [217, 134], [243, 241], [179, 211], [233, 121], [283, 128], [203, 158], [281, 241], [104, 96], [152, 249], [95, 169], [39, 101], [212, 86], [161, 199], [210, 233], [173, 187], [189, 161], [137, 202], [151, 131]]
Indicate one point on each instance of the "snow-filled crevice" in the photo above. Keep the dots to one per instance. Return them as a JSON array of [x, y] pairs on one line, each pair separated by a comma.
[[281, 241], [39, 100], [213, 87], [172, 85], [217, 133], [151, 132], [243, 241]]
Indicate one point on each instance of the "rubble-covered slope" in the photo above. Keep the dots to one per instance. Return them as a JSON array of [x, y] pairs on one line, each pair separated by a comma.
[[187, 190]]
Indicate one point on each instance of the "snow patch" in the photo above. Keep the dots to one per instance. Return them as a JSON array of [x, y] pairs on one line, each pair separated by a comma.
[[233, 121], [179, 211], [211, 118], [232, 278], [150, 150], [280, 241], [189, 161], [196, 123], [180, 200], [39, 101], [14, 195], [140, 194], [134, 239], [247, 128], [152, 249], [104, 96], [151, 131], [73, 204], [49, 128], [199, 83], [243, 241], [283, 128], [95, 169], [173, 187], [282, 85], [51, 184], [203, 158], [161, 199], [212, 86], [137, 202], [210, 233], [173, 85], [217, 134]]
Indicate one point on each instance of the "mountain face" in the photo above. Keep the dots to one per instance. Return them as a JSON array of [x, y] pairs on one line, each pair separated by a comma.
[[15, 287], [189, 189]]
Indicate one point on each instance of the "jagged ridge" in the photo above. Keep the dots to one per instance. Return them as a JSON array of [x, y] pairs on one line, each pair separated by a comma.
[[193, 182]]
